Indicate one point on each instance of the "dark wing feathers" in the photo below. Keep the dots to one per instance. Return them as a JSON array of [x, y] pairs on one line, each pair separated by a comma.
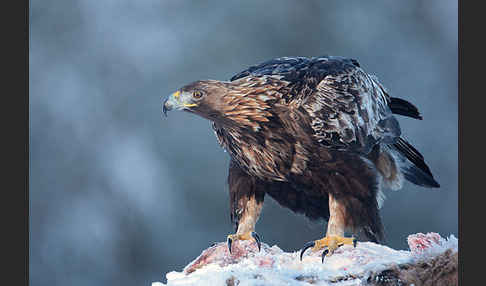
[[348, 108], [413, 165], [403, 107], [296, 67]]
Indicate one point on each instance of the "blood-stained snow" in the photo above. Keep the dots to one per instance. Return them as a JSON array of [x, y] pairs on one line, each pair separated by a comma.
[[272, 266]]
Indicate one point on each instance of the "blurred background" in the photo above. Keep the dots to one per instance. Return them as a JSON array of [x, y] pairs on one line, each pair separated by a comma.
[[120, 195]]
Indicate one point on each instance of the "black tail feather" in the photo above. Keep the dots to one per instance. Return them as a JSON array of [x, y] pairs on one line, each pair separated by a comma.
[[413, 165], [403, 107]]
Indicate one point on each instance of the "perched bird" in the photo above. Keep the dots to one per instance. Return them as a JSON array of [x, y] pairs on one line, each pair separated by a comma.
[[316, 134]]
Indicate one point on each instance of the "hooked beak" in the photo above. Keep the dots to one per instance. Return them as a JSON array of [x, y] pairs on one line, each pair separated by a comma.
[[176, 101], [171, 102]]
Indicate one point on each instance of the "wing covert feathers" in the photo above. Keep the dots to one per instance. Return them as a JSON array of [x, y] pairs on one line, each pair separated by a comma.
[[348, 107]]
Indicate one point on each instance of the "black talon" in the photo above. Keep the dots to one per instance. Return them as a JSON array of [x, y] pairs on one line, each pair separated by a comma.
[[324, 253], [354, 242], [307, 246], [257, 239], [230, 241]]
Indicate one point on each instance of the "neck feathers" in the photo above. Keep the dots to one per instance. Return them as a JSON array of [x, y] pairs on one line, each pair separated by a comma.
[[248, 101]]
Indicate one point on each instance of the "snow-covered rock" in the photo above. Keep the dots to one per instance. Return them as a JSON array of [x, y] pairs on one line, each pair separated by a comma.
[[367, 264]]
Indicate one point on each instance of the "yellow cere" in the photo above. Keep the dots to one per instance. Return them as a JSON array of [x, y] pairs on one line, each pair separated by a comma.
[[176, 94], [190, 105]]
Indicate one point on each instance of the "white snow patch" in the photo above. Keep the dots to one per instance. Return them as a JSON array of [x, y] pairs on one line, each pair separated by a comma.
[[272, 266]]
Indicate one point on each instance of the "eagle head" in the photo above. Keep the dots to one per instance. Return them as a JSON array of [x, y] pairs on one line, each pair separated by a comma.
[[244, 103], [204, 98]]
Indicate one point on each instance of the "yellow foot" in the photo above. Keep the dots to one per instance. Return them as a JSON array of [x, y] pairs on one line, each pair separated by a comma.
[[329, 244], [244, 236]]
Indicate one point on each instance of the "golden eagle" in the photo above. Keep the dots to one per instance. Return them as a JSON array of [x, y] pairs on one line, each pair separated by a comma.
[[316, 134]]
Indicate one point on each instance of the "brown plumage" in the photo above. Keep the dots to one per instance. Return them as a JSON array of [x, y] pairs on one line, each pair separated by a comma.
[[316, 134]]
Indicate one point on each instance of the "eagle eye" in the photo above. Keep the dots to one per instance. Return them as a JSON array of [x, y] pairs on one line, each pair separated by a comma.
[[197, 94]]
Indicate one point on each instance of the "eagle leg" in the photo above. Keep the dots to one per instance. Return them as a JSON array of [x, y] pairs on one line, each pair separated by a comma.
[[335, 232], [246, 223], [246, 202]]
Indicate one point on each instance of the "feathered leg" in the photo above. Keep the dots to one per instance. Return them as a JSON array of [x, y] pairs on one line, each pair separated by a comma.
[[246, 202], [336, 227]]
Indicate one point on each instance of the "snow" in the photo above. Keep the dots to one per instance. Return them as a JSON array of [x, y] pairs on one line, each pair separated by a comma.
[[272, 266]]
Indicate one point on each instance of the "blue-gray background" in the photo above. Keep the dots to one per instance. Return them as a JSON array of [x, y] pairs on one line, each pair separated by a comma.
[[120, 195]]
